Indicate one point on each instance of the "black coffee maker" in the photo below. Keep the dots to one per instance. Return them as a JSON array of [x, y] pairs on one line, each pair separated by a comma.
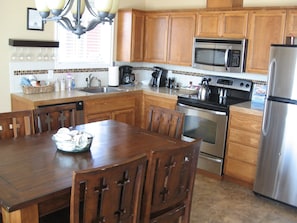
[[159, 77], [126, 75]]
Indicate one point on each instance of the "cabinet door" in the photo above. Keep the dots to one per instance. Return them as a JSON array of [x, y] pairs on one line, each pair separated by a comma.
[[126, 116], [180, 38], [291, 24], [130, 35], [98, 117], [235, 24], [209, 24], [266, 27], [156, 32]]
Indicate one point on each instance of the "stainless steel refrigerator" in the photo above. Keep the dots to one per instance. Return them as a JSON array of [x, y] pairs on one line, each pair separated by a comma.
[[276, 175]]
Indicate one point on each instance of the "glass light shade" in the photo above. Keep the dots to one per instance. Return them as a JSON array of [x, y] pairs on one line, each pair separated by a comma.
[[41, 6], [55, 4], [74, 7], [114, 7], [103, 5]]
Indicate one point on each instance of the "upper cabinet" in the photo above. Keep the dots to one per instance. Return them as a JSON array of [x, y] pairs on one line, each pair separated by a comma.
[[156, 37], [180, 38], [230, 24], [266, 27], [169, 37], [130, 35], [291, 24]]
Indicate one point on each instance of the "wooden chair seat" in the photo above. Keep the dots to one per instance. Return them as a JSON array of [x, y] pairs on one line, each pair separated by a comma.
[[169, 184], [165, 121], [15, 124], [108, 194], [54, 117]]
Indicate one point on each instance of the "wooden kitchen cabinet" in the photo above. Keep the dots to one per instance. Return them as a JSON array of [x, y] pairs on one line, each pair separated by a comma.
[[123, 108], [242, 145], [208, 24], [156, 100], [230, 24], [266, 27], [156, 37], [169, 37], [130, 35], [291, 23], [180, 38], [234, 24]]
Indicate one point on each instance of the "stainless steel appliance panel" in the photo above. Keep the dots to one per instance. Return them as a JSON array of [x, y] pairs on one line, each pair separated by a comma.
[[282, 82], [209, 125], [277, 165]]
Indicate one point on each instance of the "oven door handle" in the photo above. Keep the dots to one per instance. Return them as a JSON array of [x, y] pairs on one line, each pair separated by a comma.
[[203, 110]]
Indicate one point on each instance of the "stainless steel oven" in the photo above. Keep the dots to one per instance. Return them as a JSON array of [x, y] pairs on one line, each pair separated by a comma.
[[207, 118], [211, 126]]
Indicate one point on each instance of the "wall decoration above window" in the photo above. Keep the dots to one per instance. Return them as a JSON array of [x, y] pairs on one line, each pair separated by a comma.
[[34, 20]]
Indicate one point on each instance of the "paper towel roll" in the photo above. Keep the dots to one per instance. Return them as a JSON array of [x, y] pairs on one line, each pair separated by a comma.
[[113, 76]]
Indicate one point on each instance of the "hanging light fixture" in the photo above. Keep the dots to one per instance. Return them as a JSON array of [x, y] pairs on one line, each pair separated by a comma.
[[56, 10]]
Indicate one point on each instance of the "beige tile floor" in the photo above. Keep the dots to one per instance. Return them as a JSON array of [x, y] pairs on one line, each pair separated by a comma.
[[217, 201]]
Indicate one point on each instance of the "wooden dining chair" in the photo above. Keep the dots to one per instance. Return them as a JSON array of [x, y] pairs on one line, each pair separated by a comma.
[[54, 117], [15, 124], [169, 184], [108, 194], [165, 121]]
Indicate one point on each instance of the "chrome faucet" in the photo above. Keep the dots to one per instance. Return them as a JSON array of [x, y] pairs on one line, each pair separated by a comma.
[[91, 79]]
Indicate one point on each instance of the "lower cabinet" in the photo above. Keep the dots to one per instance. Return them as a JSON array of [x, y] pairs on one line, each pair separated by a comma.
[[242, 145], [122, 108]]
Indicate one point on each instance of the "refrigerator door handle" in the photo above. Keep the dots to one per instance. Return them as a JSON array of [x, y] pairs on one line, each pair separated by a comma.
[[271, 77], [266, 118]]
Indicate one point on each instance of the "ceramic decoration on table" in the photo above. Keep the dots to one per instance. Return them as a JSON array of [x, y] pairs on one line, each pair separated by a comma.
[[67, 140]]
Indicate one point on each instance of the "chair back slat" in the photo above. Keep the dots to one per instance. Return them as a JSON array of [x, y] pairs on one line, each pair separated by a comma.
[[16, 124], [169, 184], [108, 194], [54, 117], [165, 121]]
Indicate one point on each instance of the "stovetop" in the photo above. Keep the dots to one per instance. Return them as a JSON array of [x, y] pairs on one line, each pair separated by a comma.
[[235, 91]]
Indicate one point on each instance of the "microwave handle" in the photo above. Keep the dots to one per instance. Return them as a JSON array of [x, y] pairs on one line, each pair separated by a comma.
[[226, 58]]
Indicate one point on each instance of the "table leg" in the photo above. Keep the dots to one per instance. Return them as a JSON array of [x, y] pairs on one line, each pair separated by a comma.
[[25, 215]]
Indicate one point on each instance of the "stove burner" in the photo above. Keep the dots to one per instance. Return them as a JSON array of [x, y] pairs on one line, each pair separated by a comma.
[[224, 92]]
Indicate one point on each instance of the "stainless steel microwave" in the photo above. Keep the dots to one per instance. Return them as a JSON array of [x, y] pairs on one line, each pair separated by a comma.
[[215, 54]]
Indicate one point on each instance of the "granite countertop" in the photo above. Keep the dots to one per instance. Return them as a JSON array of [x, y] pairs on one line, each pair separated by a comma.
[[77, 95], [249, 107]]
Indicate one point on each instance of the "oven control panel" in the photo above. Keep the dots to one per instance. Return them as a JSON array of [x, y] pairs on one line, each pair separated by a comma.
[[231, 83]]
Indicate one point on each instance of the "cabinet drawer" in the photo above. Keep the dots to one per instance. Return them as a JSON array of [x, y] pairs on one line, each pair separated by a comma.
[[105, 105], [243, 153], [244, 138], [240, 170], [248, 122]]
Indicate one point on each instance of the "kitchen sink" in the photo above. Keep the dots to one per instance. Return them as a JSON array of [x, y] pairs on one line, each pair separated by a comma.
[[104, 89]]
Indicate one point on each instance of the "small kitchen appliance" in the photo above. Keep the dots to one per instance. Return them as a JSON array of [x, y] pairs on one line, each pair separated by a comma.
[[126, 75], [206, 116], [159, 77]]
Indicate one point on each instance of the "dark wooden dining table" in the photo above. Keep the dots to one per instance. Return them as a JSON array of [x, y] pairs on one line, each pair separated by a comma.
[[36, 178]]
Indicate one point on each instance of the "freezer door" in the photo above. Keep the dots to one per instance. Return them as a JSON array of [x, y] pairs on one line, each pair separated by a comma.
[[282, 78], [277, 164]]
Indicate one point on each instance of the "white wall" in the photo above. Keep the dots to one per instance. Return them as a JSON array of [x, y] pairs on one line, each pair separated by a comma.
[[184, 4]]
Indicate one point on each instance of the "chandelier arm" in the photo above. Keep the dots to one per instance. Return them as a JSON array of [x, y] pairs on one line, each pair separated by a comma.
[[91, 10], [66, 23], [67, 8]]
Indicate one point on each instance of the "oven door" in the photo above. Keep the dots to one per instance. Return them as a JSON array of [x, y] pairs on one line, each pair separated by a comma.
[[209, 125]]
